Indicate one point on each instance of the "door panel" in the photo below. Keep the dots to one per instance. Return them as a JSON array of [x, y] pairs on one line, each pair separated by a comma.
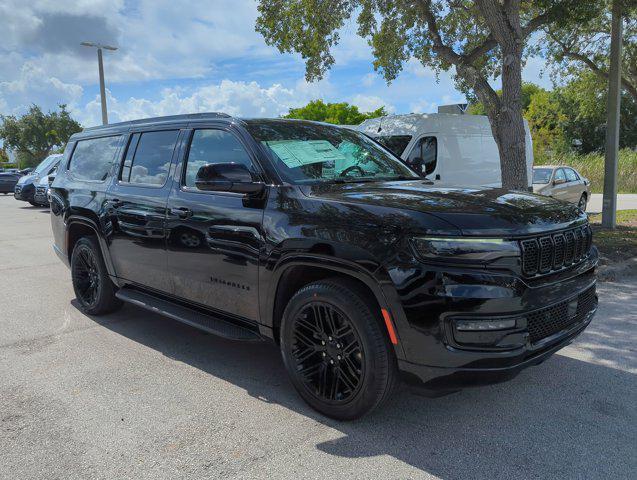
[[136, 208], [214, 238]]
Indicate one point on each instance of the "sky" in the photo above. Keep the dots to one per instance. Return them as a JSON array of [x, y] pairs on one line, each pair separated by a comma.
[[184, 56]]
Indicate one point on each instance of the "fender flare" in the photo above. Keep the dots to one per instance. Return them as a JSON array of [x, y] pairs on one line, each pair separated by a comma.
[[87, 222], [373, 280]]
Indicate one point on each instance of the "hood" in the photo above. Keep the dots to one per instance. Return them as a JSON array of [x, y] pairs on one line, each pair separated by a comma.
[[474, 211], [26, 179]]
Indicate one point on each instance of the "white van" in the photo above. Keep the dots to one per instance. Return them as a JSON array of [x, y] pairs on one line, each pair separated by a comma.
[[449, 149]]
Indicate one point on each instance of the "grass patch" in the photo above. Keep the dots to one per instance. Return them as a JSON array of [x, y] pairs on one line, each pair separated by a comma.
[[620, 244], [592, 167]]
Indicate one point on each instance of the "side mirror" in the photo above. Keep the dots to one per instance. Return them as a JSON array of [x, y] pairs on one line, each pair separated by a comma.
[[559, 181], [227, 177], [51, 178]]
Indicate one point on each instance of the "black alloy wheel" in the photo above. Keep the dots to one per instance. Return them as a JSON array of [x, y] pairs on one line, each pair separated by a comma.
[[86, 276], [93, 288], [327, 352], [336, 350]]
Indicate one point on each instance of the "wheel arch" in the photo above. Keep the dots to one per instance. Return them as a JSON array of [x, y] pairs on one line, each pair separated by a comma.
[[80, 226], [292, 274]]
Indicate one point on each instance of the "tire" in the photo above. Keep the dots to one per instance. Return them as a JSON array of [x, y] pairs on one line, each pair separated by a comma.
[[33, 203], [94, 290], [337, 354], [582, 202]]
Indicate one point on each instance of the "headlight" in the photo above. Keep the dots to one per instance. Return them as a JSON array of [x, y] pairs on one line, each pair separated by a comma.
[[464, 249]]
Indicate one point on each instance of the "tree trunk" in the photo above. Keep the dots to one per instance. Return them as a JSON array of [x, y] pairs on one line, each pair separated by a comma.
[[507, 124]]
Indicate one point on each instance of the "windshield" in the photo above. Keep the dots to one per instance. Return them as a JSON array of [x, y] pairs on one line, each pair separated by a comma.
[[45, 164], [309, 153], [394, 143], [542, 175]]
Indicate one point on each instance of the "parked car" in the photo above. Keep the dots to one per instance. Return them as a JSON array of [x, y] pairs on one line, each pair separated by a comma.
[[8, 182], [319, 239], [562, 183], [42, 189], [448, 149], [25, 188]]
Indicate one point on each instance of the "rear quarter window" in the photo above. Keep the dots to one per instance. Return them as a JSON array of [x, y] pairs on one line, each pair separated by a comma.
[[93, 158]]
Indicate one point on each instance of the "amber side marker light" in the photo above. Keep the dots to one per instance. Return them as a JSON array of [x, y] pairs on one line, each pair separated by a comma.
[[390, 326]]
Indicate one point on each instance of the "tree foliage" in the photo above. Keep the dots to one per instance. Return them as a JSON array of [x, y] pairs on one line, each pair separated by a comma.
[[478, 39], [35, 134], [476, 107], [337, 113], [587, 44], [583, 102]]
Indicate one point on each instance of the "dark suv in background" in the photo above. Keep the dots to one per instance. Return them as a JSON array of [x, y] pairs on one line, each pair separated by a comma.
[[320, 239]]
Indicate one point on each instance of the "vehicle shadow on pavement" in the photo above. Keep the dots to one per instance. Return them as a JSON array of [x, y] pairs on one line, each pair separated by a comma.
[[565, 418]]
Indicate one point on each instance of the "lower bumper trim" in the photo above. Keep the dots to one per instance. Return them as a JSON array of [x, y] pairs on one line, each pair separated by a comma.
[[453, 379]]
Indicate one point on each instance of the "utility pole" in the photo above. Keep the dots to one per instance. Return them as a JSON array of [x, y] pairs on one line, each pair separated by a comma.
[[609, 207], [100, 67]]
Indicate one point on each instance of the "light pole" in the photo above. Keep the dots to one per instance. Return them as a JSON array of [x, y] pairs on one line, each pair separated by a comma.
[[100, 66], [609, 204]]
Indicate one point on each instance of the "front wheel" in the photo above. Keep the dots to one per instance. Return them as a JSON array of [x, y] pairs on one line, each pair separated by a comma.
[[335, 351], [94, 289], [582, 202]]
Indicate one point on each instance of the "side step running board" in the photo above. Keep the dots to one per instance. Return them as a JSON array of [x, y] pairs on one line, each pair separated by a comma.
[[211, 324]]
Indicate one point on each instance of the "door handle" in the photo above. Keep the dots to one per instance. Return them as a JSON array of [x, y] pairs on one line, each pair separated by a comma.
[[181, 212]]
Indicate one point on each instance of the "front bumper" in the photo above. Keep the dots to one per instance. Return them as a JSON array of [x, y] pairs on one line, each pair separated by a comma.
[[40, 196], [548, 314], [452, 379], [24, 192]]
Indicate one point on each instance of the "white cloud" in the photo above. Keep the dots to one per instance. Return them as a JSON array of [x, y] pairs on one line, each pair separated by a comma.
[[369, 79], [368, 103], [31, 85], [244, 99]]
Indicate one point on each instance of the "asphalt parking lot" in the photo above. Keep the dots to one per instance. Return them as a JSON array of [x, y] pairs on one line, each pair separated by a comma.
[[135, 395]]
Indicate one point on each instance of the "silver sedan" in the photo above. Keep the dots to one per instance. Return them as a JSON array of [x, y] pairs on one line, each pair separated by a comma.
[[562, 183]]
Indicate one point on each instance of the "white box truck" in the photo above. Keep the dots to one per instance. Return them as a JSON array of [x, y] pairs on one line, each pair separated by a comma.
[[448, 149]]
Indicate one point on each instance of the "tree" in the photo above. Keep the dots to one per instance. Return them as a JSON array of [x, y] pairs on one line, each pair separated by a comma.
[[583, 102], [476, 107], [479, 38], [337, 113], [4, 158], [546, 123], [35, 134], [587, 44]]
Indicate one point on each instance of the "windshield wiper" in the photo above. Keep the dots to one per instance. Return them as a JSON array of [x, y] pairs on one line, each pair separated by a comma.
[[353, 180]]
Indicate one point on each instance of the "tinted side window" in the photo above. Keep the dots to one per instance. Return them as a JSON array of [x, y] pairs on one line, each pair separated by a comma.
[[424, 155], [559, 175], [150, 161], [394, 143], [92, 159], [213, 146], [571, 176]]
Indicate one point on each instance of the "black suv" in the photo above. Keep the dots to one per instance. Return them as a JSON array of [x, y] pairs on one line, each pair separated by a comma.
[[320, 239]]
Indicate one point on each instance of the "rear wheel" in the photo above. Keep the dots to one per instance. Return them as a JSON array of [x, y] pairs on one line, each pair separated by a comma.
[[582, 202], [94, 290], [335, 350]]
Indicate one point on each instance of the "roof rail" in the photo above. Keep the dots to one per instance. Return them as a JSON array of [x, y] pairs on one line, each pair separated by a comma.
[[164, 119]]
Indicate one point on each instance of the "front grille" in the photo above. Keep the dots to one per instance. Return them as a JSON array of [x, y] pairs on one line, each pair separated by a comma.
[[548, 253], [550, 320]]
